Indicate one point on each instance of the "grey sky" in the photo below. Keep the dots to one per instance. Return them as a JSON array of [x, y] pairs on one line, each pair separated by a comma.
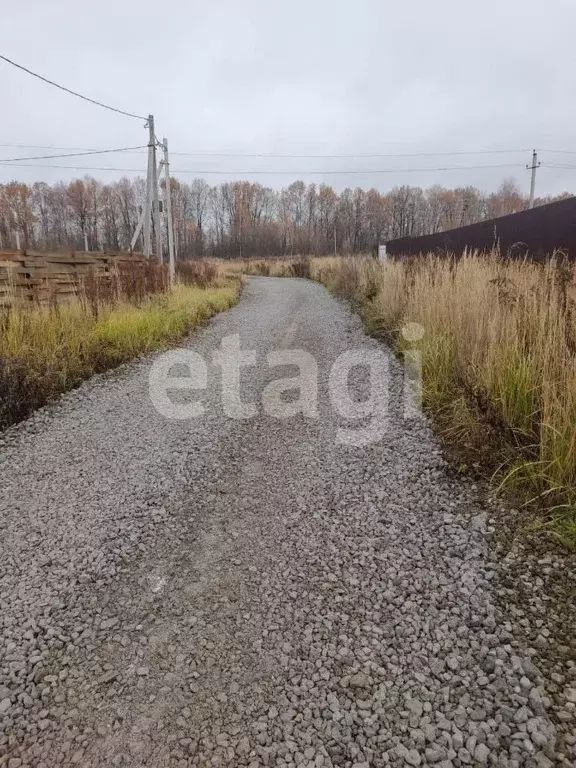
[[302, 77]]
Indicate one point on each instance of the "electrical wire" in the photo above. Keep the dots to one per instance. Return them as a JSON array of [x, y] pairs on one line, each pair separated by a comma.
[[143, 150], [288, 155], [74, 154], [45, 146], [349, 156], [362, 171], [563, 166], [296, 156], [74, 167], [201, 172], [68, 90], [559, 151]]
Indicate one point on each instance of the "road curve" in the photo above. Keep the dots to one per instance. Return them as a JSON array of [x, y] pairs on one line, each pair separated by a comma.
[[251, 592]]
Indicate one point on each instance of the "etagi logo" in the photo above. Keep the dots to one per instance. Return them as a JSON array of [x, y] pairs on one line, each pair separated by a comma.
[[177, 374]]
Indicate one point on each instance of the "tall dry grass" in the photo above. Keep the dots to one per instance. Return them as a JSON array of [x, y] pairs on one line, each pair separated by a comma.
[[50, 349], [499, 359], [298, 266]]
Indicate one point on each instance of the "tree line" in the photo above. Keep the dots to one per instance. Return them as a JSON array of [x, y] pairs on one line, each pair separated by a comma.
[[242, 218]]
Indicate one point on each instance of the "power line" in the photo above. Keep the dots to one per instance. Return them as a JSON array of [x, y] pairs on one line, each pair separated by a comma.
[[201, 172], [74, 154], [563, 166], [141, 150], [88, 150], [304, 156], [74, 167], [44, 146], [68, 90], [365, 155], [361, 171]]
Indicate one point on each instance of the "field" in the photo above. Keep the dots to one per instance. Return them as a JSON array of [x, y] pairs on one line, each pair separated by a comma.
[[50, 349]]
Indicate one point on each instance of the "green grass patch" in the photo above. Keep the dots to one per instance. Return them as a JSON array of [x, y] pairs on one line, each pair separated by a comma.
[[49, 350]]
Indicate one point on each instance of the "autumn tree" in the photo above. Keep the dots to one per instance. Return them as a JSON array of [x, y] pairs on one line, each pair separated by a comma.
[[507, 199], [18, 210], [244, 218], [79, 203]]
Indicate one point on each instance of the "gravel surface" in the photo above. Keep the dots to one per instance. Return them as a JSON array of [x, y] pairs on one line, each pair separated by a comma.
[[251, 593]]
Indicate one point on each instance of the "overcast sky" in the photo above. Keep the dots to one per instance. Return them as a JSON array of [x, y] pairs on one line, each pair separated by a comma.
[[308, 77]]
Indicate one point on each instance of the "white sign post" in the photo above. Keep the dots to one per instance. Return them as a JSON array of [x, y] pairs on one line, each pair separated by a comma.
[[382, 255]]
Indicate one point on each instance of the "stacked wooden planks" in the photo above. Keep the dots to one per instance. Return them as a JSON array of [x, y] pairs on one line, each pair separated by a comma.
[[40, 277]]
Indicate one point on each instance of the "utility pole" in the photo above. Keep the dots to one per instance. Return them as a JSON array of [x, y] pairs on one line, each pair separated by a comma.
[[156, 207], [162, 211], [169, 223], [151, 172], [535, 164]]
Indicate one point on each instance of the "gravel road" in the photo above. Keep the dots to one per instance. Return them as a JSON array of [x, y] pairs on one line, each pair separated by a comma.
[[251, 592]]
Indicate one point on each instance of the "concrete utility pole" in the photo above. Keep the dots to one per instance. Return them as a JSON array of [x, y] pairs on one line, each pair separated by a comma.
[[151, 172], [162, 210], [138, 229], [535, 164], [169, 223], [156, 207]]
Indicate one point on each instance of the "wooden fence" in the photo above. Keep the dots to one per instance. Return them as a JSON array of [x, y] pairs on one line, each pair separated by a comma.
[[37, 277]]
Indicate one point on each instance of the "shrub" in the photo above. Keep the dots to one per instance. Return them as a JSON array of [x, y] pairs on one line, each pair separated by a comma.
[[196, 272], [301, 268]]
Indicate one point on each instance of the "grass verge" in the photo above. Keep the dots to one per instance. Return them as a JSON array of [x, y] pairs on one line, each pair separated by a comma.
[[498, 352], [48, 350]]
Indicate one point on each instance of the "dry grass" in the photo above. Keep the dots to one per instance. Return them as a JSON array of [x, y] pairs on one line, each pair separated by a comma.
[[499, 362], [47, 350], [299, 266], [198, 272], [125, 282]]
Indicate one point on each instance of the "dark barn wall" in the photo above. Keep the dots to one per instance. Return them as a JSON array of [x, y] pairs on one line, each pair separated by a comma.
[[537, 233]]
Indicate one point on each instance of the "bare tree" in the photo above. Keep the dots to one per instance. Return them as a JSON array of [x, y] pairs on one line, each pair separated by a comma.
[[243, 218]]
